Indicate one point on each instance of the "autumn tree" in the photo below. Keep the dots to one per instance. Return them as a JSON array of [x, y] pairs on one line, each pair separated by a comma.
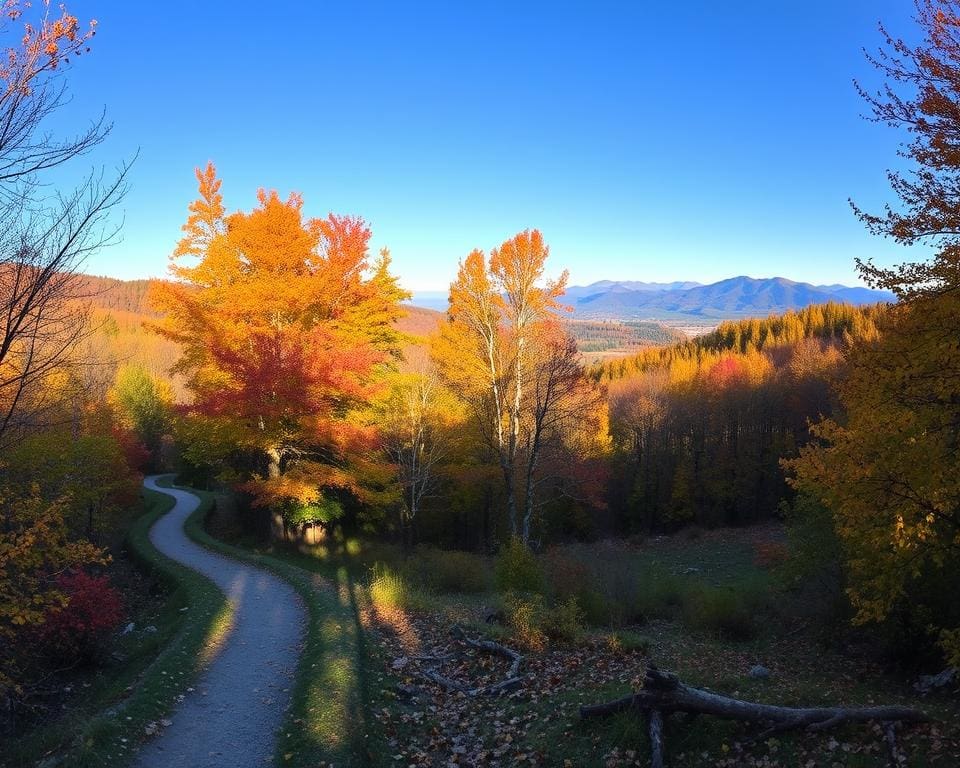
[[699, 427], [35, 545], [565, 437], [284, 324], [501, 353], [142, 404], [921, 95], [46, 233], [888, 470]]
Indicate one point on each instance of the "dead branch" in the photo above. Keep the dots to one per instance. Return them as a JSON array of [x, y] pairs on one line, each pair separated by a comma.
[[491, 647], [664, 693], [656, 738], [889, 735], [511, 680]]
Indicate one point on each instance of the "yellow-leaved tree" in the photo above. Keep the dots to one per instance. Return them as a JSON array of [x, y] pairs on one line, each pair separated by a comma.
[[520, 377]]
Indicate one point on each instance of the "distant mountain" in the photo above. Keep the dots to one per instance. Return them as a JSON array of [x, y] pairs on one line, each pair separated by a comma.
[[732, 298], [625, 286], [858, 294], [438, 299]]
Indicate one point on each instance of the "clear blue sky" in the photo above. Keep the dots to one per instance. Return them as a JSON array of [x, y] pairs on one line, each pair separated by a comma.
[[648, 141]]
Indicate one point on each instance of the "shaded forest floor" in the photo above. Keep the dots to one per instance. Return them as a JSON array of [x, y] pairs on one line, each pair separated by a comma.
[[539, 724], [420, 724]]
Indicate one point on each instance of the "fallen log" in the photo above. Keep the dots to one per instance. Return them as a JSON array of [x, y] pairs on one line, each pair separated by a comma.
[[663, 693]]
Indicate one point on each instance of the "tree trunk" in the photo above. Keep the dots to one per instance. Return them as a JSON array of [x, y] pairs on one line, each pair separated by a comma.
[[508, 483], [273, 462]]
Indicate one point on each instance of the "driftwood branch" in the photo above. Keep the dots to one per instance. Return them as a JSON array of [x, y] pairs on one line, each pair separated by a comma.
[[663, 693], [511, 680]]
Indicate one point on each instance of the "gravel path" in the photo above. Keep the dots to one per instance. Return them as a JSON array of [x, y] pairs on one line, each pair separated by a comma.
[[236, 708]]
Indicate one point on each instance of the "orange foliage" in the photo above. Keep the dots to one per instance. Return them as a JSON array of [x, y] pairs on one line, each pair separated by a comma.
[[44, 45], [283, 322]]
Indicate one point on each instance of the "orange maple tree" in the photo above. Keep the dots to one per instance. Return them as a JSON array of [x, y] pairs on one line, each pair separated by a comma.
[[284, 323]]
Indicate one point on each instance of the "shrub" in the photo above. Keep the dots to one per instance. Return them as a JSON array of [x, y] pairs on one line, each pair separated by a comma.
[[566, 576], [525, 618], [624, 642], [449, 571], [596, 609], [662, 595], [719, 610], [531, 622], [564, 621], [571, 579], [620, 590], [518, 570], [79, 630]]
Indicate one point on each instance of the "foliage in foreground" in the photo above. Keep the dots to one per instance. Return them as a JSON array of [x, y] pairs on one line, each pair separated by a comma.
[[889, 470], [102, 725]]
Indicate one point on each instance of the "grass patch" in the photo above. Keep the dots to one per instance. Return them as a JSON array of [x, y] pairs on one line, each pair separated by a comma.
[[448, 571], [391, 591], [104, 726]]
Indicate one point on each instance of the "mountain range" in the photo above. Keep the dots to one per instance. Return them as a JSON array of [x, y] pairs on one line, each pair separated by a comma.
[[689, 301]]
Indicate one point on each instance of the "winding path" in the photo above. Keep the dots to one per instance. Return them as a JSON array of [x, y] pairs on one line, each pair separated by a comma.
[[232, 716]]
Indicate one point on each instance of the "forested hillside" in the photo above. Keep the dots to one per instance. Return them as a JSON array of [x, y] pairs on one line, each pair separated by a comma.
[[120, 324], [700, 427], [609, 337]]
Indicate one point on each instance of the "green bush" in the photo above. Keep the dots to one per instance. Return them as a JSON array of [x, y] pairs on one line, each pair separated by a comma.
[[531, 621], [564, 622], [596, 608], [620, 590], [566, 576], [518, 570], [720, 611], [569, 578], [449, 571]]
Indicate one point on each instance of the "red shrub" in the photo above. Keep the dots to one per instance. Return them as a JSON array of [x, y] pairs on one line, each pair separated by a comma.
[[94, 609]]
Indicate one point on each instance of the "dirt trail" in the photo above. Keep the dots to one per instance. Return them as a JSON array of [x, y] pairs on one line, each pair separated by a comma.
[[232, 716]]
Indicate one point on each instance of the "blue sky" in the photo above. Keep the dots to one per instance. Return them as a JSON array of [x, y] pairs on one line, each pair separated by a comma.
[[648, 141]]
